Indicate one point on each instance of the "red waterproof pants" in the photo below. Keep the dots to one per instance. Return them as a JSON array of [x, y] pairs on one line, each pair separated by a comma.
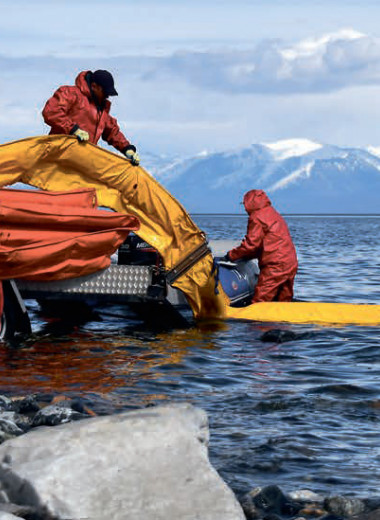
[[273, 285]]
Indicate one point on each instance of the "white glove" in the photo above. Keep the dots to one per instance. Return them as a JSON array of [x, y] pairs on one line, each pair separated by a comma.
[[133, 157], [82, 135]]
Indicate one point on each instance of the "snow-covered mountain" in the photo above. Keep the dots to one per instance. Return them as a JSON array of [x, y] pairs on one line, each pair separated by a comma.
[[300, 176]]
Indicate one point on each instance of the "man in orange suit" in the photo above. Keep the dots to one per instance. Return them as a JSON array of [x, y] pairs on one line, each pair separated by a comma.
[[268, 239], [84, 111]]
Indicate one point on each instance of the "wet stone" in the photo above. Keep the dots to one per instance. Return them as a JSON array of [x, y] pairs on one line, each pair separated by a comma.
[[372, 515], [5, 403], [250, 510], [27, 405], [74, 404], [312, 511], [53, 415], [305, 495], [269, 500], [23, 422], [9, 427], [372, 503], [342, 506]]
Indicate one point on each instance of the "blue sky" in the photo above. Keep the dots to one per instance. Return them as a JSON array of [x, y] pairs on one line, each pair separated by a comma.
[[201, 75]]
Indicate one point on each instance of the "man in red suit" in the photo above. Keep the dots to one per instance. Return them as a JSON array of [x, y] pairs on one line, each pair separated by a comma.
[[268, 239], [83, 110]]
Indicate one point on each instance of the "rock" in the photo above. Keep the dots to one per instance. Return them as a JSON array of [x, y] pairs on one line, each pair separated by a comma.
[[53, 414], [250, 510], [372, 503], [268, 500], [148, 464], [26, 405], [21, 421], [310, 503], [342, 506], [312, 510], [248, 504], [5, 403], [305, 495], [372, 515], [9, 427]]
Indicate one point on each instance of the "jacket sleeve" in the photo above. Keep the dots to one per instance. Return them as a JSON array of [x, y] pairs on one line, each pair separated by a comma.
[[56, 110], [113, 135], [252, 242]]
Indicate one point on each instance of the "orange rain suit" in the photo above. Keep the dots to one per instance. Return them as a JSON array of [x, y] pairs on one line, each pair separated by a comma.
[[268, 239]]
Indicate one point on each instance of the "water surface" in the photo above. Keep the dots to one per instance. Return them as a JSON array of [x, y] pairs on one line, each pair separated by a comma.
[[303, 413]]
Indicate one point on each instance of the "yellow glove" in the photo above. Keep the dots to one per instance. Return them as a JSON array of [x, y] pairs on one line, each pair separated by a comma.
[[82, 135], [133, 157]]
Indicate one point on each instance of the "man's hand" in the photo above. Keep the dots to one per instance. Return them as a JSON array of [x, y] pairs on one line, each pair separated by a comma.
[[133, 156], [81, 135]]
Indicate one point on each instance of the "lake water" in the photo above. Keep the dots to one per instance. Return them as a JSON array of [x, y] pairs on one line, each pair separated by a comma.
[[300, 414]]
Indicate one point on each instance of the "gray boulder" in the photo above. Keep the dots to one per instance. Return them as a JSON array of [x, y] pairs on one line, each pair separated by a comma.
[[149, 464]]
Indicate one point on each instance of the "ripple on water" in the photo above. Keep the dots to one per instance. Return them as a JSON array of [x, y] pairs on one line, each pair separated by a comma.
[[299, 413]]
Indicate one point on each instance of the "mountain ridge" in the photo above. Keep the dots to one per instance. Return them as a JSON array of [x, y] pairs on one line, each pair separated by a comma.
[[299, 175]]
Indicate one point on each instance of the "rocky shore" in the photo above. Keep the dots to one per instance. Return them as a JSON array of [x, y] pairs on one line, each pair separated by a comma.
[[146, 464]]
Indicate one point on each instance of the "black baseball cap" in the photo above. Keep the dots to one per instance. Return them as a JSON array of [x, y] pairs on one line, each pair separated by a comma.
[[105, 80]]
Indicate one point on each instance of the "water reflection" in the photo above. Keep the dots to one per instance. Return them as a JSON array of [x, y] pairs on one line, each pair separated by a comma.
[[86, 362]]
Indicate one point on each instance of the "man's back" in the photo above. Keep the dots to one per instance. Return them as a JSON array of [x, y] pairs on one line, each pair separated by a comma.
[[277, 245]]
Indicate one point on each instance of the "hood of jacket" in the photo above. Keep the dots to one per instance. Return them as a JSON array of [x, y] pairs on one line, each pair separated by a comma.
[[82, 84], [255, 199]]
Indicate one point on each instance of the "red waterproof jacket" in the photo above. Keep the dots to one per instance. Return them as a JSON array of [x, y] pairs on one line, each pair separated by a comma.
[[268, 238], [73, 107]]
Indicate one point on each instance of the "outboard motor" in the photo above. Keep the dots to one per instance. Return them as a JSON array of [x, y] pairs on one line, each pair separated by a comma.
[[135, 251], [238, 280]]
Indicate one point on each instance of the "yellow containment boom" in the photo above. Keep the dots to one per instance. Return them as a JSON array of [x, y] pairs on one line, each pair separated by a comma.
[[308, 312], [59, 163]]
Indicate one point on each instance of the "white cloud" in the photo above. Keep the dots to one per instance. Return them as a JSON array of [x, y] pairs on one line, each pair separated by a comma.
[[217, 100], [330, 62]]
